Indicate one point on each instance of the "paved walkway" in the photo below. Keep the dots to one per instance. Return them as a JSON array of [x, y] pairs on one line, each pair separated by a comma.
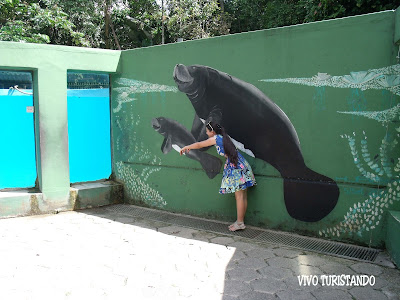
[[101, 254]]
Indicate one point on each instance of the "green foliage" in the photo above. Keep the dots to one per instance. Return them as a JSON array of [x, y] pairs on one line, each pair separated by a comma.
[[17, 31], [190, 19], [246, 15], [282, 13], [316, 10], [37, 22], [261, 14], [137, 23], [87, 18]]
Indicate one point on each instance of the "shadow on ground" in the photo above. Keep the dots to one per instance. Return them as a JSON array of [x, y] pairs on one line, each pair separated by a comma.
[[266, 271]]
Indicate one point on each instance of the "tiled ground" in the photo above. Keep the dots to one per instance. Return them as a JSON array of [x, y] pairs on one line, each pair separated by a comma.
[[103, 254]]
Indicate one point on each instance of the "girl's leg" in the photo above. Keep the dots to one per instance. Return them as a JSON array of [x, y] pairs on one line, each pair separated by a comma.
[[241, 206], [245, 202]]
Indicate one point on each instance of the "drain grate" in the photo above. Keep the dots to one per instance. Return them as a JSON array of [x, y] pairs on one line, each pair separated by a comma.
[[260, 235], [318, 245]]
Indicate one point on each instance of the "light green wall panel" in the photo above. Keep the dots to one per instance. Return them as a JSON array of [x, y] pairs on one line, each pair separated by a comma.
[[50, 64]]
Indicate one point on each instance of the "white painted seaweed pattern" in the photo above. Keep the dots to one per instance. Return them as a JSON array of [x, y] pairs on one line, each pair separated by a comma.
[[366, 215], [133, 86], [384, 116], [137, 188], [378, 170], [387, 78], [125, 94], [122, 98], [135, 183]]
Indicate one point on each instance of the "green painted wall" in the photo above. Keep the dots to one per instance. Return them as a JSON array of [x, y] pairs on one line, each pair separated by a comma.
[[144, 89], [50, 64], [284, 64]]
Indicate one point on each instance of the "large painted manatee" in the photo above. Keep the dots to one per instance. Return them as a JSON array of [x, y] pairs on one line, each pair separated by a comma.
[[261, 126]]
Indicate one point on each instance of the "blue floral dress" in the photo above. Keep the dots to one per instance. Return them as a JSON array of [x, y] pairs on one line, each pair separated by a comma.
[[234, 178]]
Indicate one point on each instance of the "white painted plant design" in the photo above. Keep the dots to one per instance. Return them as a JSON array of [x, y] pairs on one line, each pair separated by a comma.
[[380, 170]]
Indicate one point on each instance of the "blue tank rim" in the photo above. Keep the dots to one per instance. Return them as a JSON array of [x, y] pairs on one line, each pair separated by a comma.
[[105, 92]]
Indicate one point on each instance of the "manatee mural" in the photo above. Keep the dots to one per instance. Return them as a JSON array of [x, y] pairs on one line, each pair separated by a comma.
[[261, 129]]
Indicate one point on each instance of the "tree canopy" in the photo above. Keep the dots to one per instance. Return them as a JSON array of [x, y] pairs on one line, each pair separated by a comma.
[[126, 24]]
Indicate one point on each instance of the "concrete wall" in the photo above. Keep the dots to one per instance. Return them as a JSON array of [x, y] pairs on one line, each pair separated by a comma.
[[393, 236], [50, 64], [327, 77]]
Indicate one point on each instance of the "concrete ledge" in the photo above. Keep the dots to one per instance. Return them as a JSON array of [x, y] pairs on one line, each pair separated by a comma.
[[19, 203], [95, 194], [24, 202], [393, 236]]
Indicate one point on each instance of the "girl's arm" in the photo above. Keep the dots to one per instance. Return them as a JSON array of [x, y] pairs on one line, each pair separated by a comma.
[[209, 142]]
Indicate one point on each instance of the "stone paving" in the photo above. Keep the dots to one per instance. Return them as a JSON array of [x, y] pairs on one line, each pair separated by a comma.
[[100, 254]]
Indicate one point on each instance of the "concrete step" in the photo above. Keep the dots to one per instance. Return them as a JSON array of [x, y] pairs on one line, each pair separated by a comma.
[[96, 194], [26, 202], [393, 236]]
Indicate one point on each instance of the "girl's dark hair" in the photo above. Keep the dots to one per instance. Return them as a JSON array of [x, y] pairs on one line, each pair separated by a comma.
[[229, 147]]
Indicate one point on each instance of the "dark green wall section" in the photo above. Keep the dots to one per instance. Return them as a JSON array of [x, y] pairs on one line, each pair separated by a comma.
[[338, 83], [397, 27]]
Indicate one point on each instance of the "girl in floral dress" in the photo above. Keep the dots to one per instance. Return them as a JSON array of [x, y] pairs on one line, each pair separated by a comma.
[[237, 175]]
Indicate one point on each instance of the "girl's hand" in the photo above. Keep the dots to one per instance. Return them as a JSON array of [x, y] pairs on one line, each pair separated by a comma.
[[184, 150]]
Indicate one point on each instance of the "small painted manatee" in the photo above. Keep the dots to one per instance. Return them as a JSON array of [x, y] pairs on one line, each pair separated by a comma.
[[177, 136]]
